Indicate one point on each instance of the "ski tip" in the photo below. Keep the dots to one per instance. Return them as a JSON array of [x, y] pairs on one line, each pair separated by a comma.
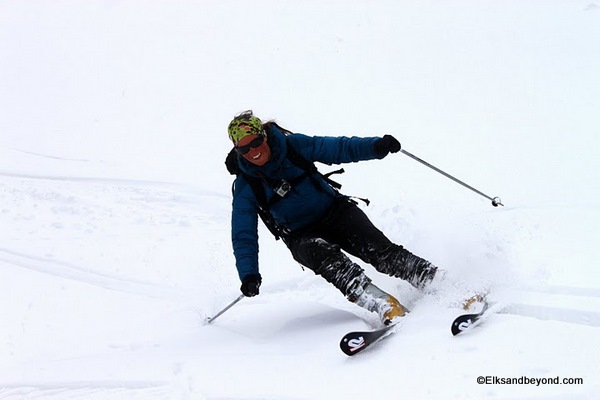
[[463, 323], [355, 342], [352, 345], [455, 329]]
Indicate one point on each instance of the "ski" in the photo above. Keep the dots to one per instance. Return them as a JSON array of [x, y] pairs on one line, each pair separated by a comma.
[[467, 321], [355, 342]]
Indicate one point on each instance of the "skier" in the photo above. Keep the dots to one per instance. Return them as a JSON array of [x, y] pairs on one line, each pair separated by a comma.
[[277, 180]]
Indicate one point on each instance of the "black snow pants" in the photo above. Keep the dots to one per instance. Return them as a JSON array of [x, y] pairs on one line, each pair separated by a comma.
[[346, 227]]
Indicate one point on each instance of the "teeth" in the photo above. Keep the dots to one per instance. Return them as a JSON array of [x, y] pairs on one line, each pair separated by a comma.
[[257, 156]]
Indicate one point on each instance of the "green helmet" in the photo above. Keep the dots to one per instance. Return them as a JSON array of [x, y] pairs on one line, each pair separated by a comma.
[[244, 124]]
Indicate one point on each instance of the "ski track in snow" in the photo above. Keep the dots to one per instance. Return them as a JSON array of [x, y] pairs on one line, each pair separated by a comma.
[[66, 216], [52, 157], [91, 391], [65, 270], [575, 305], [133, 183], [545, 313]]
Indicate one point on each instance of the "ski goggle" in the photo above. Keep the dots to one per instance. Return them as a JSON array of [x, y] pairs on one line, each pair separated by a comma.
[[241, 150]]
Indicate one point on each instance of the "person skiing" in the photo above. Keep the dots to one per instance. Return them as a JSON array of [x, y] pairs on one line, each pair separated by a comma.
[[316, 222]]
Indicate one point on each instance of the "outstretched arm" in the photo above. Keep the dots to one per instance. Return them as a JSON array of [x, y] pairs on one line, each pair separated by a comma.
[[340, 150]]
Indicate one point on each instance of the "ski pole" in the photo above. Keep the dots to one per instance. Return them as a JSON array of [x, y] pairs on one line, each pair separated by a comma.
[[495, 200], [211, 319]]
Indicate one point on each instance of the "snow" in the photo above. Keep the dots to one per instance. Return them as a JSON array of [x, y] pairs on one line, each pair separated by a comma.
[[115, 203]]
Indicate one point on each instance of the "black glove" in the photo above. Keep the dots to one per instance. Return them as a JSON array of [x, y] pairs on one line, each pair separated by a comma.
[[385, 145], [250, 285]]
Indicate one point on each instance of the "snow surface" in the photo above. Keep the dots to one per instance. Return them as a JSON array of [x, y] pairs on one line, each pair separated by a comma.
[[115, 203]]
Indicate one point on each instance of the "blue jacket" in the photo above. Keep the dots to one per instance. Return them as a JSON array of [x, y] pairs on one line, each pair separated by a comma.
[[309, 198]]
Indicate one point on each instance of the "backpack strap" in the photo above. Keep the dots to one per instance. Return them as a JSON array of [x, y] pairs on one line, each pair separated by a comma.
[[312, 170], [256, 185], [231, 162], [310, 167]]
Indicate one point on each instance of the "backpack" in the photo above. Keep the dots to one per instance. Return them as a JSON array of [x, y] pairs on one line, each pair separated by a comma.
[[256, 183]]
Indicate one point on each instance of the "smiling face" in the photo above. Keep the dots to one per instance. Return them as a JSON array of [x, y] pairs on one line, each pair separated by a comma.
[[256, 155]]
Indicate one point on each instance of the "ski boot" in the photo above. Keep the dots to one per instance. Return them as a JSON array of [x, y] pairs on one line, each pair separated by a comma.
[[385, 305]]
